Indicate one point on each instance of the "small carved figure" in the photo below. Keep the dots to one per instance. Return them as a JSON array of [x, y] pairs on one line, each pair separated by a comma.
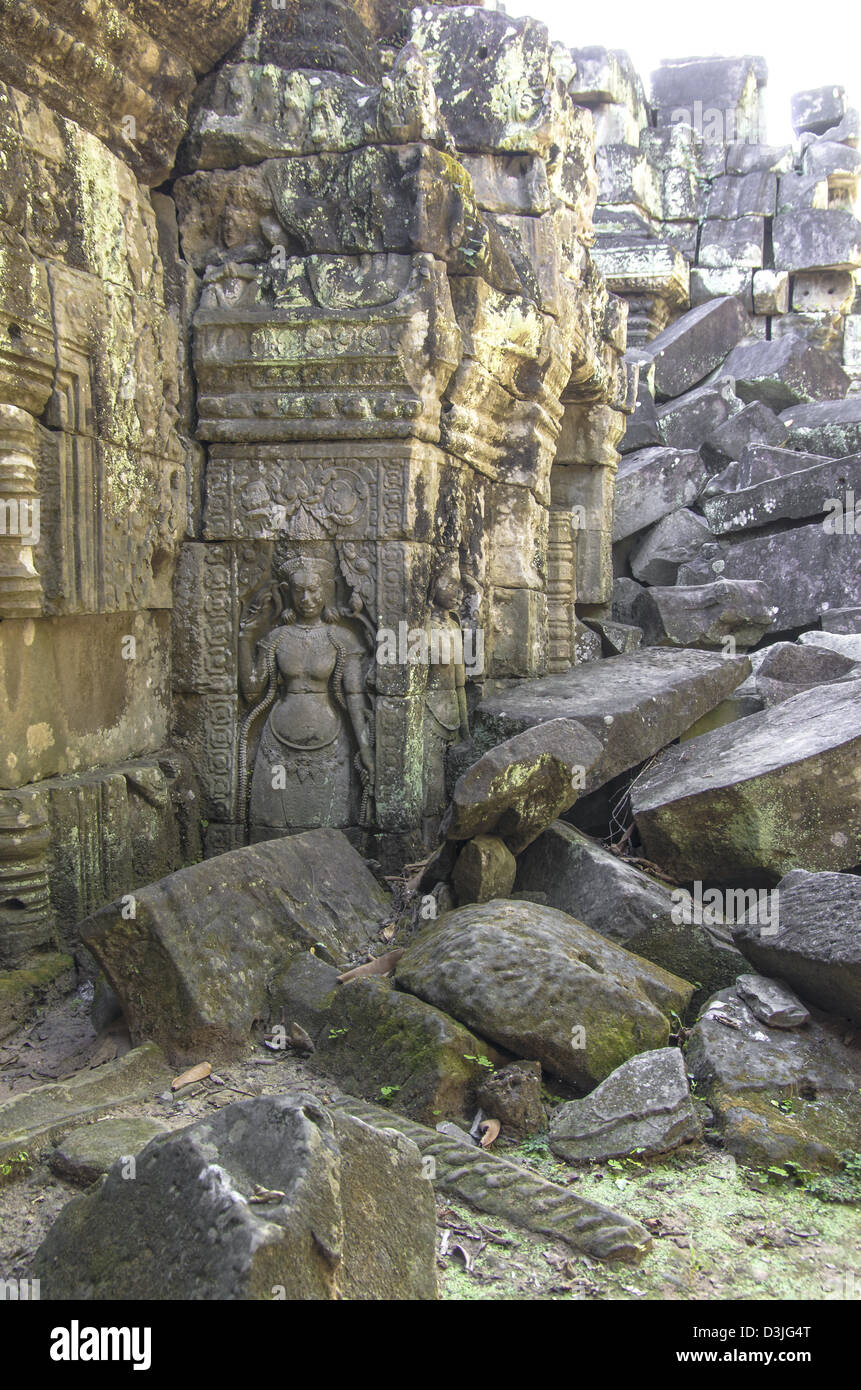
[[445, 717]]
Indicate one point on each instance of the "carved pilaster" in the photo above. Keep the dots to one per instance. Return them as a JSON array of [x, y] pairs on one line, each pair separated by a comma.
[[20, 515]]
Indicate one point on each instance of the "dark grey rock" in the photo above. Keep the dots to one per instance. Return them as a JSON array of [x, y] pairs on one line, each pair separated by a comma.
[[653, 482], [816, 109], [512, 1095], [801, 192], [817, 945], [676, 538], [695, 344], [806, 569], [743, 195], [813, 239], [747, 158], [643, 1107], [779, 1095], [641, 427], [578, 876], [625, 593], [86, 1153], [348, 1215], [755, 423], [785, 669], [783, 786], [827, 158], [827, 427], [756, 464], [771, 1002], [689, 419], [705, 615], [520, 786], [804, 492], [634, 705], [785, 371], [738, 243]]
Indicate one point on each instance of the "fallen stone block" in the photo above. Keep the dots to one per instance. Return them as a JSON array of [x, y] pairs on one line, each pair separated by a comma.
[[750, 801], [643, 1107], [492, 1184], [785, 669], [191, 966], [745, 157], [778, 1095], [806, 569], [816, 947], [771, 1002], [695, 344], [784, 372], [847, 644], [653, 482], [687, 420], [823, 292], [485, 869], [706, 615], [578, 876], [791, 496], [826, 427], [676, 538], [755, 464], [755, 423], [512, 1095], [42, 1116], [521, 785], [543, 986], [801, 192], [816, 109], [816, 239], [716, 282], [87, 1153], [270, 1198], [634, 705]]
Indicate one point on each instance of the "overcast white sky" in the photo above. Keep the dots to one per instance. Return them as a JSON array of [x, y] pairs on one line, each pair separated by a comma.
[[805, 45]]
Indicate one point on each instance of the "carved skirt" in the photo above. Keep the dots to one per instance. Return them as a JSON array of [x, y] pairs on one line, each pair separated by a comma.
[[301, 789]]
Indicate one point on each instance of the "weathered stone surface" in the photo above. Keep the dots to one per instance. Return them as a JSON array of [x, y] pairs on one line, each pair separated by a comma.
[[653, 482], [771, 1002], [695, 344], [785, 372], [705, 615], [726, 88], [785, 669], [827, 427], [379, 1042], [485, 869], [847, 644], [770, 291], [821, 292], [743, 195], [494, 1185], [686, 421], [816, 109], [578, 876], [512, 1095], [634, 705], [811, 239], [739, 243], [716, 282], [85, 1154], [256, 907], [534, 976], [806, 569], [676, 538], [755, 423], [643, 1107], [351, 1215], [781, 785], [801, 192], [517, 788], [33, 1119], [816, 945], [779, 1095], [793, 495]]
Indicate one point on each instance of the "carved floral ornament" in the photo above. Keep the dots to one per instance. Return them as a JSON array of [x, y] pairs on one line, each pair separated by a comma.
[[308, 505]]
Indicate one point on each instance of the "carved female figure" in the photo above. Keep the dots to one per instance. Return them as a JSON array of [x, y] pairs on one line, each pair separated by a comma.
[[445, 717], [307, 673]]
